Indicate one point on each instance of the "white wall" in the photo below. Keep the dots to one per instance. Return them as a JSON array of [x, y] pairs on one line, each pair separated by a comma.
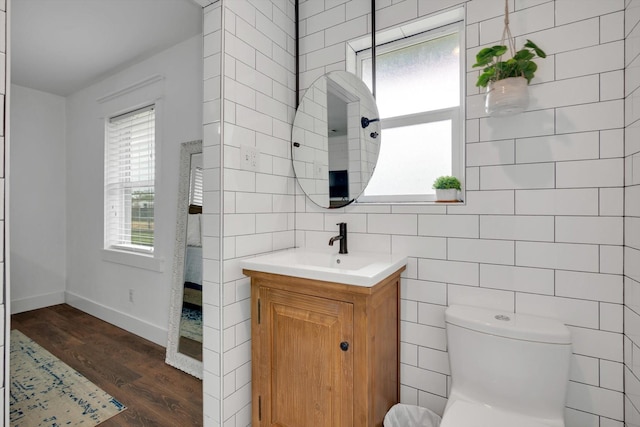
[[38, 199], [632, 216], [102, 287]]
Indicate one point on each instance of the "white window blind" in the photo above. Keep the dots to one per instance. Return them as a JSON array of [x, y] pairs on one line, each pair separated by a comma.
[[129, 181], [196, 186]]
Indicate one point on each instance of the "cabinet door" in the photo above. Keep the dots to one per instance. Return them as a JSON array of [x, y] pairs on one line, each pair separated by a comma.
[[306, 360]]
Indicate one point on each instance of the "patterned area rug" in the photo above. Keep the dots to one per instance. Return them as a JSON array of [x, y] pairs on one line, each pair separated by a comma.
[[47, 392], [191, 324]]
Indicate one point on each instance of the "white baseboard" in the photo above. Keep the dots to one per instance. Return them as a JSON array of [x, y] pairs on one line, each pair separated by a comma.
[[122, 320], [33, 303]]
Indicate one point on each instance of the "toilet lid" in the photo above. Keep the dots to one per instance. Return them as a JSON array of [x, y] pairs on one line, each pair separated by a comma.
[[466, 414]]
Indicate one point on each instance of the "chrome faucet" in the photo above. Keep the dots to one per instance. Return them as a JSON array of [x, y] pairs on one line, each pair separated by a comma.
[[342, 237]]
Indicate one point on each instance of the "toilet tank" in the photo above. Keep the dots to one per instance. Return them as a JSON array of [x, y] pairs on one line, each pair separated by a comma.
[[515, 362]]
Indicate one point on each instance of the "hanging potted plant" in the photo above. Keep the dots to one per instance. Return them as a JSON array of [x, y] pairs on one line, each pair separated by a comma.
[[507, 81], [447, 188]]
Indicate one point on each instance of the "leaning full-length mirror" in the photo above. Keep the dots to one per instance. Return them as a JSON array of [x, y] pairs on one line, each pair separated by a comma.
[[336, 139], [184, 347]]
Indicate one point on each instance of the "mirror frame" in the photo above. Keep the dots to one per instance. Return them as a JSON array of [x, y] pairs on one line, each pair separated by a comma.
[[173, 357]]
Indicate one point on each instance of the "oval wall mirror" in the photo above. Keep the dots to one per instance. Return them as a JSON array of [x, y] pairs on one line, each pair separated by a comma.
[[336, 139]]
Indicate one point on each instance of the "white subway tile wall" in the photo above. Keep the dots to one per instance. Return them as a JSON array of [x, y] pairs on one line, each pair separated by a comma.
[[549, 214], [249, 101], [542, 229], [631, 258], [213, 350]]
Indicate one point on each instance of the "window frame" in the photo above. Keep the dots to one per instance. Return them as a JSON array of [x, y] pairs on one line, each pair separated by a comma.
[[457, 166], [432, 27], [124, 248]]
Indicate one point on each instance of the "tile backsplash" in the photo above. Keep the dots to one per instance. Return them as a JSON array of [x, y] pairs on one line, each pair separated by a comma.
[[552, 204]]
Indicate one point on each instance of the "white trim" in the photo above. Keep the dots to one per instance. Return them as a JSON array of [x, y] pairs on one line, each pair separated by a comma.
[[204, 3], [132, 259], [417, 38], [420, 25], [420, 118], [138, 249], [396, 199], [125, 321], [39, 301], [132, 87], [6, 320]]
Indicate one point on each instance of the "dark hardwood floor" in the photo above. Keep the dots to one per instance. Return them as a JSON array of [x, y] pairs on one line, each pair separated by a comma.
[[124, 365]]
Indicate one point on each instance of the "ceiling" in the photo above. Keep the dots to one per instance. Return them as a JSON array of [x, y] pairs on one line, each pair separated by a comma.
[[62, 46]]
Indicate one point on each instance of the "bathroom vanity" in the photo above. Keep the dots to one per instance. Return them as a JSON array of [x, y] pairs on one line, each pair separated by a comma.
[[323, 353]]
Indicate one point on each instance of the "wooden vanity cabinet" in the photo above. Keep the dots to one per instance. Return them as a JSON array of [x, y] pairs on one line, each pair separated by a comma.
[[323, 354]]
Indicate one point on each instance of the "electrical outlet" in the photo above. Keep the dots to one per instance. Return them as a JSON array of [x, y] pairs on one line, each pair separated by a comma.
[[249, 158], [130, 295]]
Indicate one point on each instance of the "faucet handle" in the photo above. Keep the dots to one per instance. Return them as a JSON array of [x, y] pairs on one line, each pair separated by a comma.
[[343, 232]]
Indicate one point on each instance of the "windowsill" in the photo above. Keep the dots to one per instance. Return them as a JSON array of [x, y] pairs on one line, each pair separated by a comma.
[[132, 259], [408, 203]]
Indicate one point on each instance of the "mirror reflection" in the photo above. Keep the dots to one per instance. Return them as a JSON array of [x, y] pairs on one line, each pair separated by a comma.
[[184, 347], [191, 314], [336, 139]]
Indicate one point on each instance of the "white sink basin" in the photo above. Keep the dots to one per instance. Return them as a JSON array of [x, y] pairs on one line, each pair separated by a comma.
[[361, 268]]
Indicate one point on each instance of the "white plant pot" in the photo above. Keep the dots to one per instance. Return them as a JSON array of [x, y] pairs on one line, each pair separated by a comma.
[[447, 195], [507, 97]]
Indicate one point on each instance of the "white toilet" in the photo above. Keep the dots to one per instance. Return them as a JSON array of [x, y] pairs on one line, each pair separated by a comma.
[[507, 370]]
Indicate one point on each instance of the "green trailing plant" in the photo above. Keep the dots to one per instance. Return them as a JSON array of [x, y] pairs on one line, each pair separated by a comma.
[[446, 183], [520, 65]]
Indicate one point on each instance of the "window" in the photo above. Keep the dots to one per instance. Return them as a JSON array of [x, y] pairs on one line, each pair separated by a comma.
[[129, 181], [196, 186], [419, 93]]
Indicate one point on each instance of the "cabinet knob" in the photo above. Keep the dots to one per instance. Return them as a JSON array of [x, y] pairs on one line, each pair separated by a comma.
[[344, 346]]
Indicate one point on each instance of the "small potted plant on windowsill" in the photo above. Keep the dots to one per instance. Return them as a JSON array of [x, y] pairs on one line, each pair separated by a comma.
[[447, 188], [507, 81]]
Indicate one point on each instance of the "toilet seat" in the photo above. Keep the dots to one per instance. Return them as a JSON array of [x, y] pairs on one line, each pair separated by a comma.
[[468, 414]]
